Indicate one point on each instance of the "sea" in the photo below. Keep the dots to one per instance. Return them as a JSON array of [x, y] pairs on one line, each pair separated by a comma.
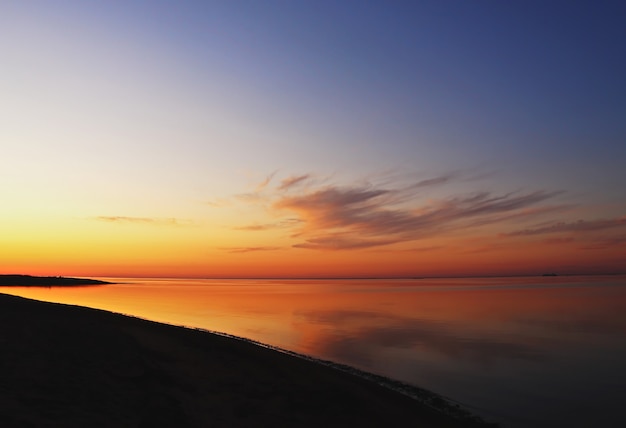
[[522, 351]]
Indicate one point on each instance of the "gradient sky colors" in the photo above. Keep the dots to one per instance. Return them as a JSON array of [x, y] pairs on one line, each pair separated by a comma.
[[293, 138]]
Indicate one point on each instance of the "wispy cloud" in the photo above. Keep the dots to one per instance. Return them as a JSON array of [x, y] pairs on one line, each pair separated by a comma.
[[427, 249], [435, 181], [397, 208], [578, 226], [286, 223], [342, 242], [329, 216], [241, 250], [558, 241], [144, 220], [258, 193], [263, 184], [293, 181], [605, 243], [348, 218]]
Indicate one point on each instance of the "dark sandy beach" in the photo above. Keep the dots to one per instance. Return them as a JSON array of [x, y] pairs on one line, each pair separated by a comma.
[[70, 366]]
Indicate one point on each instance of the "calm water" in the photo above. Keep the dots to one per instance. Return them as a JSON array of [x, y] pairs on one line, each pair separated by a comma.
[[539, 352]]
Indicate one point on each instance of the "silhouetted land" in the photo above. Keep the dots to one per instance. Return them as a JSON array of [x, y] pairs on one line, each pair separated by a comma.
[[70, 366], [46, 281]]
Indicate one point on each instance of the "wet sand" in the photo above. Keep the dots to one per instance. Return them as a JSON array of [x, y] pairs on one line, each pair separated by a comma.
[[70, 366]]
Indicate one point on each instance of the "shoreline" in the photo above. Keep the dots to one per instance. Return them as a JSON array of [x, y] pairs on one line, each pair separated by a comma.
[[130, 356], [437, 402], [18, 280]]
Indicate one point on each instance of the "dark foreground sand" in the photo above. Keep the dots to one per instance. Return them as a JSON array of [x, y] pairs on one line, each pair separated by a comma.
[[67, 366]]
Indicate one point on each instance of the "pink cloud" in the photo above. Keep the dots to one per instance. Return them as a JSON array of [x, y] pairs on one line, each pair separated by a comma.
[[335, 217], [292, 181], [327, 216]]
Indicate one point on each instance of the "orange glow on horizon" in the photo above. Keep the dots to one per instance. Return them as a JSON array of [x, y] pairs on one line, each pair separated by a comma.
[[259, 239], [196, 262]]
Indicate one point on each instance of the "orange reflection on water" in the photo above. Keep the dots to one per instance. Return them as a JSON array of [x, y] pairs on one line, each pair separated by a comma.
[[307, 315], [485, 342]]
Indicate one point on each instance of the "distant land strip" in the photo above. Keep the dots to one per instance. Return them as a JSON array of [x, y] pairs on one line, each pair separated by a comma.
[[46, 281]]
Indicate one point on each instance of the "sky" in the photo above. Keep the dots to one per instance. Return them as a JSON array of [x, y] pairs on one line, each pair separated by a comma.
[[312, 138]]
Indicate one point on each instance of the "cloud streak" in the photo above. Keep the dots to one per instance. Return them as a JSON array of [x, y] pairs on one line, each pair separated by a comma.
[[361, 217], [143, 220], [576, 227], [606, 243], [293, 181], [242, 250], [262, 185], [322, 215], [286, 223]]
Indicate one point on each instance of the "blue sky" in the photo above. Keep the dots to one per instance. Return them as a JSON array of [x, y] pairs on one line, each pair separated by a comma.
[[157, 108]]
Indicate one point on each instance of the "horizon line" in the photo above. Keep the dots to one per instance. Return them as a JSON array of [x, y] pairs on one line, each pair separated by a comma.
[[546, 274]]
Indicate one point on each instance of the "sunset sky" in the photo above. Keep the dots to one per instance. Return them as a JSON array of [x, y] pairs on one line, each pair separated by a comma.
[[312, 138]]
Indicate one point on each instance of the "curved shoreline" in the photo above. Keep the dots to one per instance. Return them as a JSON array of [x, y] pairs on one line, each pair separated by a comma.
[[109, 365], [426, 397], [437, 402]]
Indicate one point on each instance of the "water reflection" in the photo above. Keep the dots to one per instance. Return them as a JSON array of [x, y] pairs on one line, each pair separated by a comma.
[[542, 352], [383, 331]]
